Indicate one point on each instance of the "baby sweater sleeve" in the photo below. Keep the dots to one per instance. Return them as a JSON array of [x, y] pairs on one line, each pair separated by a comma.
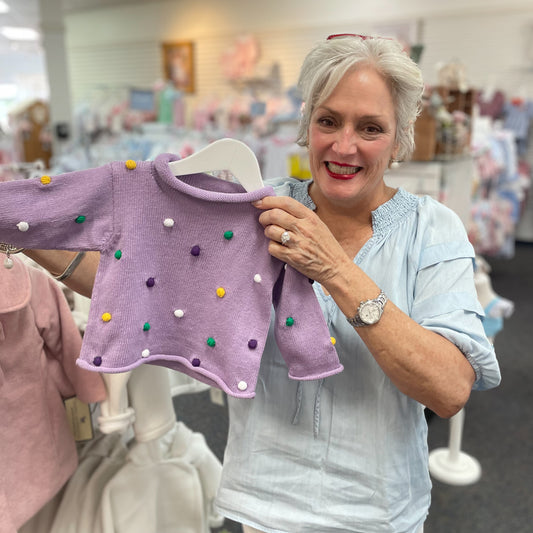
[[300, 329], [72, 211]]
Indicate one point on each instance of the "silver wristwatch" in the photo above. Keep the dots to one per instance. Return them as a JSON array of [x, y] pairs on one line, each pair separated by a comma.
[[369, 312]]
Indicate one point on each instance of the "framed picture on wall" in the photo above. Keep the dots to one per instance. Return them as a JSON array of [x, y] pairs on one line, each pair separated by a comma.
[[178, 64]]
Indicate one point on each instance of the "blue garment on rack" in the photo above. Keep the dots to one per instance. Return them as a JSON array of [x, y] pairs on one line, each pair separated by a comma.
[[491, 324]]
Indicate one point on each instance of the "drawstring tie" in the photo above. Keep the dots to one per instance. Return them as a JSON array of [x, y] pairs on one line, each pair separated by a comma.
[[316, 410]]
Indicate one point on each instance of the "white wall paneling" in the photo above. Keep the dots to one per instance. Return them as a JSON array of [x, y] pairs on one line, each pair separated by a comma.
[[119, 46]]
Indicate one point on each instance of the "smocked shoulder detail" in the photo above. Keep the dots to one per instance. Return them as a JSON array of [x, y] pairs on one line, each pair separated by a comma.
[[300, 192], [390, 213]]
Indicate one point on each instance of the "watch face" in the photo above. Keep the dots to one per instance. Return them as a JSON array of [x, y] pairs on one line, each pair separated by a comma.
[[370, 312]]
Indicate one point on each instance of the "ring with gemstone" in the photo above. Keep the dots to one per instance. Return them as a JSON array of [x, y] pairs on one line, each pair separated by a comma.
[[285, 238]]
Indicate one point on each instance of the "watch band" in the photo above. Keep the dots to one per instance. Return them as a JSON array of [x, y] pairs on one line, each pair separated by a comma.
[[379, 302]]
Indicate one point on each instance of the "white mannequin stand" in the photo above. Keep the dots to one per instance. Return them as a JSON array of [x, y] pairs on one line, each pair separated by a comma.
[[451, 465]]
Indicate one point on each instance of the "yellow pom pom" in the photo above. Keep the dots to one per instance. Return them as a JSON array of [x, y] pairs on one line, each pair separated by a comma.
[[221, 292], [106, 317], [45, 180], [131, 164], [333, 340]]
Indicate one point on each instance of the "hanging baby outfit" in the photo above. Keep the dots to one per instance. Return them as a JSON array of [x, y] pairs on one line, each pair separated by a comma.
[[39, 344], [185, 278]]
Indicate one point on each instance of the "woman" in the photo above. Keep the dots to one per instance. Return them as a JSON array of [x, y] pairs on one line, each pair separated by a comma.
[[349, 453], [394, 277]]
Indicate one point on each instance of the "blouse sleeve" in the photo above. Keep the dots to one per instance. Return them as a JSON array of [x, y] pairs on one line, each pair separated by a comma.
[[445, 299]]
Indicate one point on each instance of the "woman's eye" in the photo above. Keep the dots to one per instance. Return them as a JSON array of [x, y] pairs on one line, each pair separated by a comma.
[[326, 122], [373, 129]]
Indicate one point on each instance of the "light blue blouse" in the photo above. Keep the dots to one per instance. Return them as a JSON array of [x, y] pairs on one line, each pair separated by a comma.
[[349, 453]]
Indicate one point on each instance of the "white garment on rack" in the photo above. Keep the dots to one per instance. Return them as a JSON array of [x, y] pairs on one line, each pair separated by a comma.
[[164, 482], [98, 461]]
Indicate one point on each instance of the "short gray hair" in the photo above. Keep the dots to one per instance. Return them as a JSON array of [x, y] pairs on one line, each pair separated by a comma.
[[330, 60]]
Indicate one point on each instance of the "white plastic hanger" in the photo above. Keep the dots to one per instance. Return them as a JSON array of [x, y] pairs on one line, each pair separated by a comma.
[[224, 154]]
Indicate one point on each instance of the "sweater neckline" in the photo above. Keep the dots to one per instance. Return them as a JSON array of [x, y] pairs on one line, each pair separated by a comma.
[[208, 187]]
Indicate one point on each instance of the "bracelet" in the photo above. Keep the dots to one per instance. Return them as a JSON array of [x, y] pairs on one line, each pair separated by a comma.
[[9, 249], [71, 267]]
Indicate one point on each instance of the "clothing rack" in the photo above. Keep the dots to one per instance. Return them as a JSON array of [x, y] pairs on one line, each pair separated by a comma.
[[25, 170]]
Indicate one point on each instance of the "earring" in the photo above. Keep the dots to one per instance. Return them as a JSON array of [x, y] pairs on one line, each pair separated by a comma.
[[394, 163]]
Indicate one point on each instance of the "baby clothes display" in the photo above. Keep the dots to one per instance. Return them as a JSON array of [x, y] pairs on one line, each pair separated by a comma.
[[496, 307], [39, 344], [165, 478], [518, 116], [185, 278], [165, 484]]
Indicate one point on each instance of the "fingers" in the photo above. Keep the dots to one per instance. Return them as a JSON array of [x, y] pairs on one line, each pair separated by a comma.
[[278, 234], [281, 211], [285, 203]]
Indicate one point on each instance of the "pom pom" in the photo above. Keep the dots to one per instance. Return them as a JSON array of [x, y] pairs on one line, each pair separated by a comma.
[[168, 222]]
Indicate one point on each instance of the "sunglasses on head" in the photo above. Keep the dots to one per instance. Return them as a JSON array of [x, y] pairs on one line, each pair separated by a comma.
[[362, 37]]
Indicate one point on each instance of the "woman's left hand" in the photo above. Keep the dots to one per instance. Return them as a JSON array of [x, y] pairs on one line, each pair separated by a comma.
[[311, 249]]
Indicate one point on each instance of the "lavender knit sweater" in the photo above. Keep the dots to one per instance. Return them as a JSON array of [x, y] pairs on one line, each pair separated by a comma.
[[185, 278]]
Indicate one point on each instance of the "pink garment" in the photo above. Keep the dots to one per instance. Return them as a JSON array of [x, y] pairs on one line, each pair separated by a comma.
[[39, 345]]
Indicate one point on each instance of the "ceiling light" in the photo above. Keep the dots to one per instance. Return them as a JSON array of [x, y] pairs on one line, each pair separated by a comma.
[[8, 91], [19, 34], [4, 8]]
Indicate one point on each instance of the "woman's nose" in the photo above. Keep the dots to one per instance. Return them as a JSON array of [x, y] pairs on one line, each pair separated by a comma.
[[345, 142]]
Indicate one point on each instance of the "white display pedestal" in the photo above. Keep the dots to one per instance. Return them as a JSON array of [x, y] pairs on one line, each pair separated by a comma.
[[451, 465]]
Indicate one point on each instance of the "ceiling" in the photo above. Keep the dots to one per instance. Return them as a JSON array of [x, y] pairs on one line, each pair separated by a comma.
[[26, 13]]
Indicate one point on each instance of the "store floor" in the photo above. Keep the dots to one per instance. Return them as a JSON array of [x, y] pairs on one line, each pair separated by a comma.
[[498, 428]]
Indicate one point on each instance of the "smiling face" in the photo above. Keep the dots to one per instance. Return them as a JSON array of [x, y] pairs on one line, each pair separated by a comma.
[[352, 140]]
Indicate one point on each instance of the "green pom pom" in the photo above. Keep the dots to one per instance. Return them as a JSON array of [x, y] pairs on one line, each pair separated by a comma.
[[228, 235], [80, 219], [290, 321], [211, 342], [118, 254], [146, 326]]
